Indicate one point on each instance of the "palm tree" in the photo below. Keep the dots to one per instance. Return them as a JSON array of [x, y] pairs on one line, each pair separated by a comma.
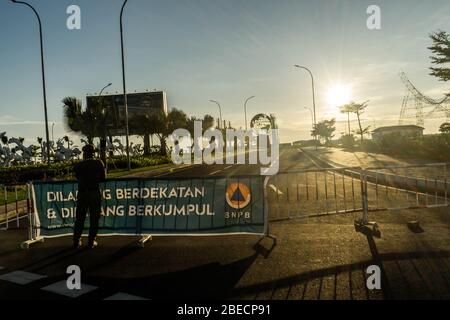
[[90, 122], [358, 109], [346, 109], [77, 120]]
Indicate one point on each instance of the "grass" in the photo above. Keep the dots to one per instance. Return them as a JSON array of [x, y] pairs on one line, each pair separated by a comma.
[[11, 194], [124, 172]]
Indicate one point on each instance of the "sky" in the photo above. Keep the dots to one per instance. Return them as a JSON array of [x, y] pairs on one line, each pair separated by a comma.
[[226, 50]]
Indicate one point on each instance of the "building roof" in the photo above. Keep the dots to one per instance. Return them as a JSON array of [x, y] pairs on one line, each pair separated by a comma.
[[389, 128]]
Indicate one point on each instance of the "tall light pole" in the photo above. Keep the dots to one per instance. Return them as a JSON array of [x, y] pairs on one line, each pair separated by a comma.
[[245, 110], [312, 116], [125, 88], [313, 96], [103, 139], [43, 76], [220, 111]]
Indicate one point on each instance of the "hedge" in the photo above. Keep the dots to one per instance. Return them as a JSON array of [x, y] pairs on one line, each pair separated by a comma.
[[23, 173]]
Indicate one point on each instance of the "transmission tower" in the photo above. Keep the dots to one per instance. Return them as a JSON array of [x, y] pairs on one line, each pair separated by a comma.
[[421, 105]]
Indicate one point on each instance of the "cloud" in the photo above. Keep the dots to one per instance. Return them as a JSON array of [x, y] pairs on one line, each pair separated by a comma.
[[9, 120]]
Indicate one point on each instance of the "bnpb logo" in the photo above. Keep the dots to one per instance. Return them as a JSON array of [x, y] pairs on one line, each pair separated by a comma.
[[238, 195]]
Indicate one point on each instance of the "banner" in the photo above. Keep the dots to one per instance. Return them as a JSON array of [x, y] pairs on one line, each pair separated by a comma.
[[204, 206]]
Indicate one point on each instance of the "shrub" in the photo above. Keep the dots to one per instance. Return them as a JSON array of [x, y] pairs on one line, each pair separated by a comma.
[[63, 170]]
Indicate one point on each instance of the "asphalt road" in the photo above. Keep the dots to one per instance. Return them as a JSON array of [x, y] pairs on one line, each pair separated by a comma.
[[314, 258]]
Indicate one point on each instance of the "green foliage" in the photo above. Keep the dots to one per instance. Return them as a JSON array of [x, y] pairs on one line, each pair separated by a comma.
[[445, 128], [325, 129], [347, 141], [24, 173], [137, 162], [64, 170], [441, 49]]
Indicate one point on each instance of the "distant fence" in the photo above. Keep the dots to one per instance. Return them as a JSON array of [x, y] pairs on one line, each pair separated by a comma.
[[305, 193], [14, 205]]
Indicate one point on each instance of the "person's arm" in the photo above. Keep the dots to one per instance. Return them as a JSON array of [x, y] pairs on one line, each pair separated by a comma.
[[102, 171], [76, 170]]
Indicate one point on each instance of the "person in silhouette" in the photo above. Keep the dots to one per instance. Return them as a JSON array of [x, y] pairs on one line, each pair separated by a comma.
[[89, 173]]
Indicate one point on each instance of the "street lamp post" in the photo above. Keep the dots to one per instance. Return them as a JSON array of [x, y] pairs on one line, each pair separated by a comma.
[[220, 111], [103, 140], [43, 76], [125, 87], [312, 116], [313, 96], [245, 110]]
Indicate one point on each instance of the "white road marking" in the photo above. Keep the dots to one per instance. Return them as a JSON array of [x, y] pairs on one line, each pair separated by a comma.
[[213, 173], [271, 186], [172, 170], [60, 287], [21, 277], [124, 296]]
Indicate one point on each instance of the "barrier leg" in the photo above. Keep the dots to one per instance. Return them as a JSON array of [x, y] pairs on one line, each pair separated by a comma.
[[361, 225], [143, 240], [31, 236], [26, 244]]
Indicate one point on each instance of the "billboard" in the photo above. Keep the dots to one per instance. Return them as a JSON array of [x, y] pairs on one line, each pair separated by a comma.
[[138, 104]]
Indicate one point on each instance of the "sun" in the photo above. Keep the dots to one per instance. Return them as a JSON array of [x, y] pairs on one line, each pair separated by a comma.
[[339, 95]]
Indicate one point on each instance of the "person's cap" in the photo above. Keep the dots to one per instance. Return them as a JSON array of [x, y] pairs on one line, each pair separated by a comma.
[[89, 149]]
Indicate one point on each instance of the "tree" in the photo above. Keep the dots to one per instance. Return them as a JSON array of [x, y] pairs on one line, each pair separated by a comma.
[[358, 109], [441, 49], [146, 125], [445, 128], [86, 122], [90, 122], [325, 129], [346, 109], [348, 141]]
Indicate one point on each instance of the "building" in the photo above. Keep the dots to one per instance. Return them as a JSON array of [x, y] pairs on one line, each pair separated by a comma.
[[410, 131]]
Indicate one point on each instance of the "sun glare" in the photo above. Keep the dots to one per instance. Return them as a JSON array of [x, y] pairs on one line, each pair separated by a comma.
[[339, 95]]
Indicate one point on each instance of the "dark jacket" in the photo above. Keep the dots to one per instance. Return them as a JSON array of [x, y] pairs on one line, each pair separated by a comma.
[[89, 173]]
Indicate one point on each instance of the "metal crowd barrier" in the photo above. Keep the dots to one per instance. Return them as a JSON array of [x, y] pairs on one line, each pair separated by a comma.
[[313, 192], [15, 205], [408, 187], [306, 193]]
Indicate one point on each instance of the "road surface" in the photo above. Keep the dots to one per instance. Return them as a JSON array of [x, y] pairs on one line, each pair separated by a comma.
[[314, 258]]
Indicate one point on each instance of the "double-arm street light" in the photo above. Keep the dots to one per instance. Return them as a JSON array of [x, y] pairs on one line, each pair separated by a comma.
[[43, 76], [313, 96], [245, 110], [125, 88], [220, 111]]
